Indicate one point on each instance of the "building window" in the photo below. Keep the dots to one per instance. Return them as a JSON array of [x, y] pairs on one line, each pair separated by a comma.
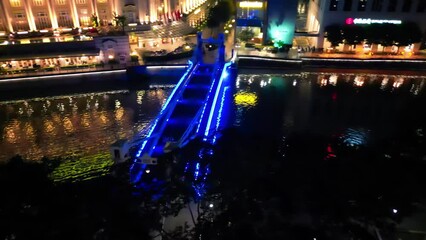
[[60, 2], [2, 26], [422, 6], [102, 1], [333, 5], [348, 5], [64, 19], [406, 6], [81, 1], [15, 3], [84, 21], [43, 21], [38, 2], [392, 5], [19, 15], [362, 4], [83, 11], [19, 22], [377, 5]]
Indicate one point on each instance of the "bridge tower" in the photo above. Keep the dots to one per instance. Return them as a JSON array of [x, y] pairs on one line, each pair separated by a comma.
[[220, 41]]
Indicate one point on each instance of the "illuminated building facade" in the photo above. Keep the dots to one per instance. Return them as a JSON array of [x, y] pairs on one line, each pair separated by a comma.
[[363, 12], [302, 22], [33, 15]]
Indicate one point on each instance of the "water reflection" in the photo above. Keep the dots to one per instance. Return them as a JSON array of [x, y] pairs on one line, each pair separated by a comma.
[[78, 125], [351, 104]]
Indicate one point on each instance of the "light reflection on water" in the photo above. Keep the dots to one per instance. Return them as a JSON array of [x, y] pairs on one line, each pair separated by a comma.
[[348, 104], [79, 128]]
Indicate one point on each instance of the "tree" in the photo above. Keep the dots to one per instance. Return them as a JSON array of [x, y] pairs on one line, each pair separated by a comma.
[[220, 13], [95, 20], [246, 35], [353, 34], [408, 33], [119, 20], [334, 34]]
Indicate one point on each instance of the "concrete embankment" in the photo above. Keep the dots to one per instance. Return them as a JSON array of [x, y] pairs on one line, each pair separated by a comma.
[[339, 63]]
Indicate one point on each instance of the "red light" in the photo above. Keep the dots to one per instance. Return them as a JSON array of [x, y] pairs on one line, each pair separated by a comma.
[[349, 21]]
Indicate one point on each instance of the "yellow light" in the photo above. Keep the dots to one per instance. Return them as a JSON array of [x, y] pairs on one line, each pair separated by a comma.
[[134, 53], [247, 4], [226, 31], [245, 99], [110, 57], [197, 11]]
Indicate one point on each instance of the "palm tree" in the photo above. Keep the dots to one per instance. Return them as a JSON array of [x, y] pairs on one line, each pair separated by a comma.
[[119, 20]]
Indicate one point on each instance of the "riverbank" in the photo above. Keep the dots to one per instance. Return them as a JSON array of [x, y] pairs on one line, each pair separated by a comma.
[[244, 61]]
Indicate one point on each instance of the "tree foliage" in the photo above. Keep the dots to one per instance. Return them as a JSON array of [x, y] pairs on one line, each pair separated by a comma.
[[119, 20], [246, 35], [334, 35], [220, 13], [385, 34]]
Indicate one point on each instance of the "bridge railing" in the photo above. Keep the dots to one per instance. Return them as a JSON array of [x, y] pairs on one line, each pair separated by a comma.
[[167, 109], [206, 108], [217, 104]]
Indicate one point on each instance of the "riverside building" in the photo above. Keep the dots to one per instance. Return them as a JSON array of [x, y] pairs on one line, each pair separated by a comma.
[[42, 15], [302, 22]]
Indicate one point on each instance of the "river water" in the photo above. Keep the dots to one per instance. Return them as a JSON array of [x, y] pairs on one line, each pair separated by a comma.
[[359, 107]]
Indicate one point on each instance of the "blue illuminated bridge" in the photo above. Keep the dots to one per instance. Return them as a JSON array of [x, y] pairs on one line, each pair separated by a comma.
[[195, 109]]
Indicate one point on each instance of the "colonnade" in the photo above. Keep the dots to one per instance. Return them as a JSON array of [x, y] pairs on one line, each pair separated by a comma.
[[33, 15]]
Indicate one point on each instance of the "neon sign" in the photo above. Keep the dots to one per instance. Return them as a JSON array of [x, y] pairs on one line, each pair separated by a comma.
[[351, 21], [247, 4]]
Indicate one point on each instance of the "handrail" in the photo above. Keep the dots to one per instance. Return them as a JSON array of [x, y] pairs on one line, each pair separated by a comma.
[[216, 79], [172, 107], [190, 129], [165, 109]]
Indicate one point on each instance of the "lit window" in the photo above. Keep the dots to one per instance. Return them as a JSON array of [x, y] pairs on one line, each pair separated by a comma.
[[80, 1], [362, 4], [15, 3], [333, 5], [60, 2], [41, 14], [19, 15], [38, 2], [102, 1], [83, 11], [85, 21]]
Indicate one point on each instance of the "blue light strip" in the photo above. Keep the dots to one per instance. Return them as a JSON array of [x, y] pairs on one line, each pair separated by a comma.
[[163, 108], [219, 116], [205, 103], [223, 76], [197, 171]]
